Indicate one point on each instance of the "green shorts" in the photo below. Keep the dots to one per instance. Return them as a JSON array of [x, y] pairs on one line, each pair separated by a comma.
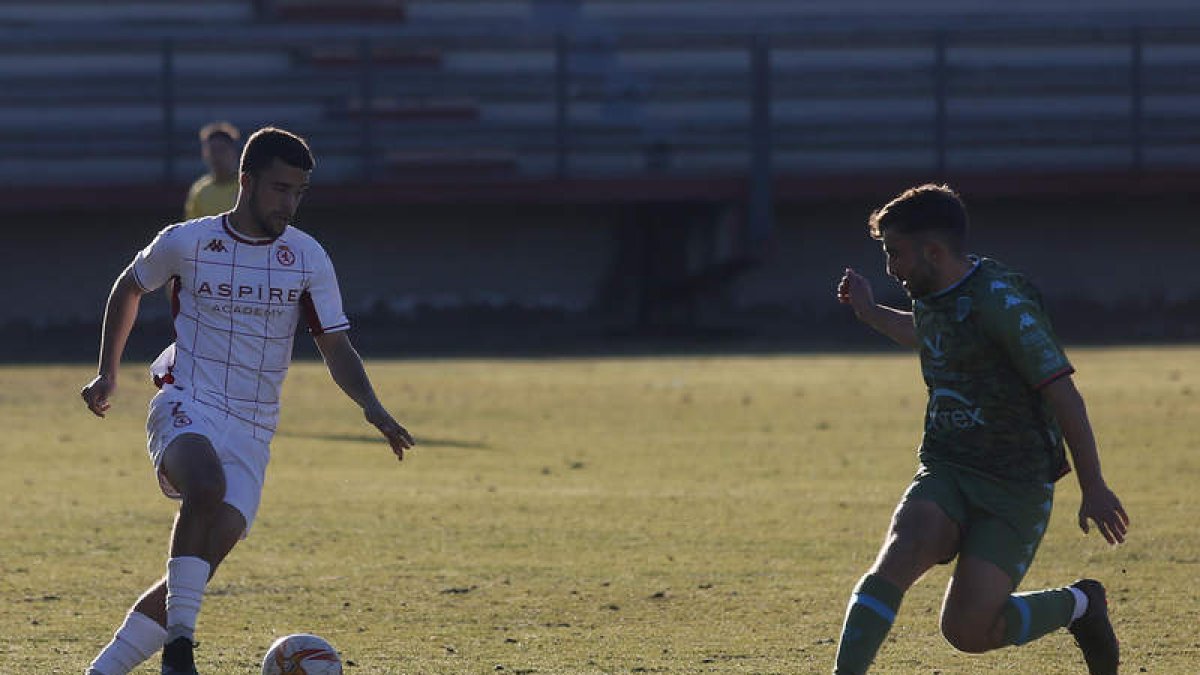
[[1001, 522]]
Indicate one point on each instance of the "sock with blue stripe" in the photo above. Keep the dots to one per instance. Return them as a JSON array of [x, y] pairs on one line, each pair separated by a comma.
[[870, 616], [1029, 616]]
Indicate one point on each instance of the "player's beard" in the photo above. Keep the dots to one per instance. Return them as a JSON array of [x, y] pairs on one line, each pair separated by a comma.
[[921, 281], [268, 223]]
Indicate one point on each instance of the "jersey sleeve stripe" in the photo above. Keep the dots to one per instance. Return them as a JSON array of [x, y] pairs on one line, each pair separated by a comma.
[[310, 314], [1069, 370]]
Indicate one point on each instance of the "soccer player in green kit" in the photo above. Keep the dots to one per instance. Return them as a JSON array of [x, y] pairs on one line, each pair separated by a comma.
[[1001, 404]]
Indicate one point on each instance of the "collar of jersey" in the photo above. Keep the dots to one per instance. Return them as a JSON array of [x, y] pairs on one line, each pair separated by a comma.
[[945, 291], [241, 239]]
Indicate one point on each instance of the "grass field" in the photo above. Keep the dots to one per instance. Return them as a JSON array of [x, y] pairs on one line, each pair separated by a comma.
[[656, 515]]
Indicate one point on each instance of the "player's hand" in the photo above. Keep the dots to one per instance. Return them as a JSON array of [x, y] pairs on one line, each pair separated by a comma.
[[396, 435], [856, 291], [97, 392], [1103, 508]]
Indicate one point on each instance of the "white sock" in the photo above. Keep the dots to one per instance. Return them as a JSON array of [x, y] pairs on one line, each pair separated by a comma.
[[135, 641], [186, 578], [1081, 602]]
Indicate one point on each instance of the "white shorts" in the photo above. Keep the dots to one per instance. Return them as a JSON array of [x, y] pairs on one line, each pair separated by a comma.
[[243, 457]]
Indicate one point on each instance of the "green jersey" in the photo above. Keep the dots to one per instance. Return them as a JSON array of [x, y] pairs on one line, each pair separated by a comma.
[[987, 349]]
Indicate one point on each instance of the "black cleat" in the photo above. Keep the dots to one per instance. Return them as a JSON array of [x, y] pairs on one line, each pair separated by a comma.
[[1094, 632], [177, 657]]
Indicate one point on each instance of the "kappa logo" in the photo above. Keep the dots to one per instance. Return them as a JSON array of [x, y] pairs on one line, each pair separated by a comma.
[[1011, 300], [216, 246], [285, 256], [1027, 321]]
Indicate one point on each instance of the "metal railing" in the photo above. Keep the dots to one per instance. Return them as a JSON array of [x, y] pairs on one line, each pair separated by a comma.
[[768, 134]]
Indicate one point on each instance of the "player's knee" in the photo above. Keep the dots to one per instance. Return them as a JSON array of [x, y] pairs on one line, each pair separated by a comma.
[[902, 549], [963, 639], [227, 531], [967, 636], [204, 493]]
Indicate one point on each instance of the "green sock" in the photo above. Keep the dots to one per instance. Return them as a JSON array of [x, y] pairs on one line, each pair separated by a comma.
[[1029, 616], [868, 619]]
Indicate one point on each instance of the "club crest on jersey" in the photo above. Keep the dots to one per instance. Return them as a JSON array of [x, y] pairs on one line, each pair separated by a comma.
[[285, 256], [216, 246]]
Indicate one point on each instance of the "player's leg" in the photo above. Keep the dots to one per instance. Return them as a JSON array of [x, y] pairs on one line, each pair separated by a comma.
[[921, 535], [973, 611], [183, 598], [192, 466], [982, 613], [229, 528], [143, 633], [139, 637], [207, 528]]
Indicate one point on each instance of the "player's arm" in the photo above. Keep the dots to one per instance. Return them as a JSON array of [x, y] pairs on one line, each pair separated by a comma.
[[1099, 503], [856, 291], [119, 316], [346, 367]]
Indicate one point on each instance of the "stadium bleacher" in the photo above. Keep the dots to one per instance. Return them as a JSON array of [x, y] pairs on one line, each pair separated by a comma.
[[33, 12], [650, 118], [607, 89]]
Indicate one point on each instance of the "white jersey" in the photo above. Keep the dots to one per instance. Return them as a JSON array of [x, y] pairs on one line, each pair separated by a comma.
[[236, 306]]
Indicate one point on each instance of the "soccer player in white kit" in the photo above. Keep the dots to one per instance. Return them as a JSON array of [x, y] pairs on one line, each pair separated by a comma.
[[244, 281]]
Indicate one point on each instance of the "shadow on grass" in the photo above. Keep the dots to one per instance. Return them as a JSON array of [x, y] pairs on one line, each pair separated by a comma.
[[422, 441]]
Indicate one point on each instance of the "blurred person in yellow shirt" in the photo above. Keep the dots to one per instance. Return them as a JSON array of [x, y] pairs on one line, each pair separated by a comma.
[[216, 191]]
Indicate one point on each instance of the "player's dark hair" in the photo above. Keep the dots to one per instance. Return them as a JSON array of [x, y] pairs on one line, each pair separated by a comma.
[[270, 143], [925, 209], [220, 130]]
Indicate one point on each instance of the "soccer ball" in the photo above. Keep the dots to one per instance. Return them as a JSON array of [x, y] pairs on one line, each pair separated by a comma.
[[301, 654]]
